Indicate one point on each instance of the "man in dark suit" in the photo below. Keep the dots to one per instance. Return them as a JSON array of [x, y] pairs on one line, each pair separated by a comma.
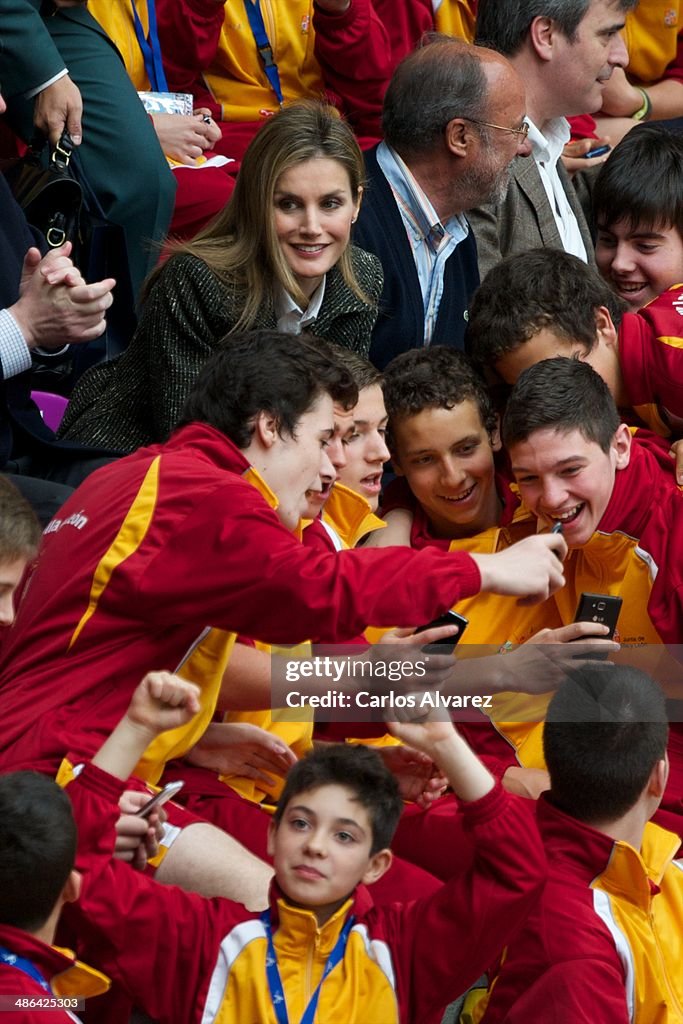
[[453, 120], [565, 51], [51, 55]]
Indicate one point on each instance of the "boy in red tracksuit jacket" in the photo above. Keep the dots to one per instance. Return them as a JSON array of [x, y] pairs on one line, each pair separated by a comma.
[[622, 516], [182, 957], [603, 944], [546, 303]]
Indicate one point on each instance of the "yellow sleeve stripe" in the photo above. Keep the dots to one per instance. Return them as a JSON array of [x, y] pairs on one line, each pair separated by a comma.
[[129, 538]]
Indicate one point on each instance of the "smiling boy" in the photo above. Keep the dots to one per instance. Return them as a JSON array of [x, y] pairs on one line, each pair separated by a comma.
[[621, 512], [443, 437], [638, 208], [577, 464]]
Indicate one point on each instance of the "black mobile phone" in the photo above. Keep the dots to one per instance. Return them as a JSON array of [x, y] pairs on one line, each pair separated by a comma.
[[167, 793], [599, 608], [448, 643]]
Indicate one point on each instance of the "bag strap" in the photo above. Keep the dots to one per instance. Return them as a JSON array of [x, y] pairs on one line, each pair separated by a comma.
[[265, 50], [60, 158]]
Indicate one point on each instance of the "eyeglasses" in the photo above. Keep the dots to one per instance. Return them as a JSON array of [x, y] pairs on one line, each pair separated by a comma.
[[523, 131]]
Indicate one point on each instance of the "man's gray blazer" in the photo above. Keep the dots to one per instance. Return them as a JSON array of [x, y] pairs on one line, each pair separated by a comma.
[[524, 220]]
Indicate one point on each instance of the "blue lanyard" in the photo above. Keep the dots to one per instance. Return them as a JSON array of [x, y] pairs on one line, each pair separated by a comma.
[[258, 30], [25, 966], [151, 50], [277, 993]]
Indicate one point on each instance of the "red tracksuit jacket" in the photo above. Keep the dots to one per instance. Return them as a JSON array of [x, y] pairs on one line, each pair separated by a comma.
[[155, 562]]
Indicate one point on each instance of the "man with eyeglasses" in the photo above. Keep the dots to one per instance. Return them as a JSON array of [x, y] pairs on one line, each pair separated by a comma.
[[453, 121], [565, 52]]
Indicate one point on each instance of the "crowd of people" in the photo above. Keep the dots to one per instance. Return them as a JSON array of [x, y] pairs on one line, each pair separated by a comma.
[[409, 281]]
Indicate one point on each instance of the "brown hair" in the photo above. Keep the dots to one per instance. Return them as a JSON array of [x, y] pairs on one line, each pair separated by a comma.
[[20, 530]]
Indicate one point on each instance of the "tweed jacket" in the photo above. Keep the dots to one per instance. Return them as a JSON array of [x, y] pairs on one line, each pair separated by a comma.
[[524, 220], [136, 399]]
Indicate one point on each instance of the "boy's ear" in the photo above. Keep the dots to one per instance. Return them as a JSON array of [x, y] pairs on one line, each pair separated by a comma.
[[266, 429], [494, 436], [604, 327], [272, 829], [659, 777], [621, 446], [72, 887], [379, 864]]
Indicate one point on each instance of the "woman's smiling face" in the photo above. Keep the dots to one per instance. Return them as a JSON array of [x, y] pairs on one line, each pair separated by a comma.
[[314, 209]]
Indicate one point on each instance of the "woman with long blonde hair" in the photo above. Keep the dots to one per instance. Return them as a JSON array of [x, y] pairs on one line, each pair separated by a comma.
[[278, 256]]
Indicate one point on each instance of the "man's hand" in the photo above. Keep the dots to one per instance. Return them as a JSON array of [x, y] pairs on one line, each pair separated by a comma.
[[424, 731], [55, 306], [530, 569], [434, 668], [574, 154], [213, 131], [184, 137], [57, 107], [55, 266], [239, 748], [137, 839]]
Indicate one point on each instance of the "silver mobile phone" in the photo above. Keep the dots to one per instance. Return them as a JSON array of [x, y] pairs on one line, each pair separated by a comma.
[[167, 793]]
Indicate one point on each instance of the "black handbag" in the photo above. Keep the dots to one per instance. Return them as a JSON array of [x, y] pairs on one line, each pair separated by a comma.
[[50, 196]]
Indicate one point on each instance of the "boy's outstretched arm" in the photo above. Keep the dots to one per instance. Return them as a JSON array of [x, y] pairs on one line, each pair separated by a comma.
[[161, 701], [436, 736]]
